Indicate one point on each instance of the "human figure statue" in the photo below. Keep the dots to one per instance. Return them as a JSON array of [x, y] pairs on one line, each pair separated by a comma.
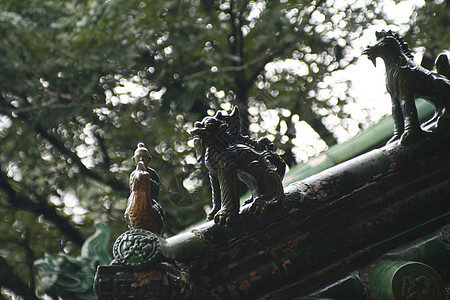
[[143, 209]]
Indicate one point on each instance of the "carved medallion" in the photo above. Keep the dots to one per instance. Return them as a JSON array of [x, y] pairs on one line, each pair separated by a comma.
[[417, 281], [137, 248]]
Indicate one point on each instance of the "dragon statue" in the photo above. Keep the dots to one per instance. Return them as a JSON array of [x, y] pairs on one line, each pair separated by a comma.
[[230, 156], [67, 277], [406, 81]]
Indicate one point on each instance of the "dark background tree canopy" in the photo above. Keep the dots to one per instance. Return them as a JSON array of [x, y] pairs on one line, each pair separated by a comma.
[[83, 81]]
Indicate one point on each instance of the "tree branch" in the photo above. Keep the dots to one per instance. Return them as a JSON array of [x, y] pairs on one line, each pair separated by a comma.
[[13, 282], [30, 258], [111, 181], [59, 145], [102, 146], [269, 57], [21, 201], [234, 68], [313, 120], [50, 45]]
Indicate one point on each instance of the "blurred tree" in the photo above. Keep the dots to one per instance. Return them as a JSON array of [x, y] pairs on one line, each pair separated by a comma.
[[429, 29], [83, 81]]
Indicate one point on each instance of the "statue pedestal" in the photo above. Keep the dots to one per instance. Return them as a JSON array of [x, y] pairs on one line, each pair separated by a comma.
[[159, 281]]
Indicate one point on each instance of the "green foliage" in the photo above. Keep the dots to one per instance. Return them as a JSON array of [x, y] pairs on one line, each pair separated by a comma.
[[83, 81], [430, 30]]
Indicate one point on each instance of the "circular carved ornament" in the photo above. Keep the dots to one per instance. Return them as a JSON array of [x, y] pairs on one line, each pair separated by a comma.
[[418, 281], [137, 248]]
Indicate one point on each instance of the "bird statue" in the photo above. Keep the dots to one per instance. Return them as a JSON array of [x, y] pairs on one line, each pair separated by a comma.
[[143, 210]]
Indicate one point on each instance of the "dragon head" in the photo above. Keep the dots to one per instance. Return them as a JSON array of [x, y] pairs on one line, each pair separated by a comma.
[[219, 129], [208, 128], [388, 44]]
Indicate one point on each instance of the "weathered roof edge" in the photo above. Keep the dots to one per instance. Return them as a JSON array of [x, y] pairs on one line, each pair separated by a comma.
[[328, 225], [358, 170]]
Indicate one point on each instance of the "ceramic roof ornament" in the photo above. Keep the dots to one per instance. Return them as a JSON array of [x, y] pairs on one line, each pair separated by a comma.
[[141, 244], [143, 210], [141, 254], [230, 156], [406, 81], [68, 277]]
